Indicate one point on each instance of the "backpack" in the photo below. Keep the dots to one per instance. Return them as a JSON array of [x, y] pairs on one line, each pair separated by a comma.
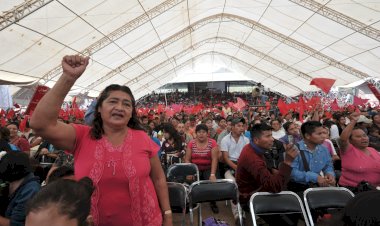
[[211, 221]]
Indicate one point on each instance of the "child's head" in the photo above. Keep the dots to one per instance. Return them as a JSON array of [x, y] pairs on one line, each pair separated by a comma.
[[61, 202]]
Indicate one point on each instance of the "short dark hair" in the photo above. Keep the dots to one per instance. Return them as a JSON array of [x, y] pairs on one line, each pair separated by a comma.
[[201, 127], [274, 120], [62, 171], [287, 125], [309, 127], [258, 129], [237, 120], [5, 134], [72, 198], [14, 166]]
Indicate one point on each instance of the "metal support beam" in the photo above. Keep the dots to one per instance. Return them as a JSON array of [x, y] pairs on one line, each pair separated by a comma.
[[296, 44], [213, 41], [155, 84], [340, 18], [247, 22], [118, 33], [20, 11]]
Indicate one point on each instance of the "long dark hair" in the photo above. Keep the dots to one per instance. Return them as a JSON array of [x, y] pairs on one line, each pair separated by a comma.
[[97, 126], [72, 198], [169, 128]]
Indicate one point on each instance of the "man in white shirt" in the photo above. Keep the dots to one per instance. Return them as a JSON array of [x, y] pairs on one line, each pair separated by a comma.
[[231, 147]]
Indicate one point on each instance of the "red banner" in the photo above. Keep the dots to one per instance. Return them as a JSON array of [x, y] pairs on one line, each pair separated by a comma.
[[374, 90], [37, 96]]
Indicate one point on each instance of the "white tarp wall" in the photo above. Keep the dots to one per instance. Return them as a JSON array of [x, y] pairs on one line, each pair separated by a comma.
[[145, 44]]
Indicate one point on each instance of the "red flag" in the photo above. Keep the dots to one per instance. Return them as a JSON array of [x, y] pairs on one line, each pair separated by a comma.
[[240, 103], [3, 122], [10, 114], [301, 106], [282, 107], [324, 84], [37, 96], [177, 107], [359, 101], [334, 106], [374, 90], [267, 104], [169, 112], [23, 123], [74, 103], [2, 113]]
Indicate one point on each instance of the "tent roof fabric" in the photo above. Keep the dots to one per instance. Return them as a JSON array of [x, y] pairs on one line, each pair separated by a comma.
[[145, 44]]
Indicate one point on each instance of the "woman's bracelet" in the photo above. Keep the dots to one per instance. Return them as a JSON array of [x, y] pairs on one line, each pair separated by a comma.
[[213, 174], [167, 212]]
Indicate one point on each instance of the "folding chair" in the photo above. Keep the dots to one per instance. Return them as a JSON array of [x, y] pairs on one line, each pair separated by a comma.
[[325, 198], [178, 172], [207, 191], [178, 199], [285, 202]]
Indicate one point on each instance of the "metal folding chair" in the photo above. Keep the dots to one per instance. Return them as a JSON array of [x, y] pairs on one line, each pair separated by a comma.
[[207, 191], [285, 202], [325, 198], [179, 171], [178, 199]]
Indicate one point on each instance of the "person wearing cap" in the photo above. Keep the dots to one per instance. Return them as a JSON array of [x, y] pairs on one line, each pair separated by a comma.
[[359, 162], [231, 147], [364, 123]]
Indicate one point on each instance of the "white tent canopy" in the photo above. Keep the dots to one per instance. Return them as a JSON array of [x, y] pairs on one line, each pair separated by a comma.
[[145, 44]]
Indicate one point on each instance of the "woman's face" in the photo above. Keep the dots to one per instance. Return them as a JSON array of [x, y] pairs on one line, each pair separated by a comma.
[[13, 130], [116, 110], [49, 216], [209, 124], [202, 135], [359, 139], [151, 125], [166, 135], [376, 119]]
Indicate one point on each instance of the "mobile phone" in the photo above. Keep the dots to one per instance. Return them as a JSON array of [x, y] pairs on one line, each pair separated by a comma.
[[291, 139]]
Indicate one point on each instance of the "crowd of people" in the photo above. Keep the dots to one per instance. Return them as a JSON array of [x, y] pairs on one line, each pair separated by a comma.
[[109, 169]]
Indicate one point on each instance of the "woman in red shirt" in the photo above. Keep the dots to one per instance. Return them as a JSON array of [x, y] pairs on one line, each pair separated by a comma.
[[203, 152], [15, 139]]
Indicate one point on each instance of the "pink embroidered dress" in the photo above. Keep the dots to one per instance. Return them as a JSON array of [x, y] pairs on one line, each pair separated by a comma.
[[124, 192], [357, 166]]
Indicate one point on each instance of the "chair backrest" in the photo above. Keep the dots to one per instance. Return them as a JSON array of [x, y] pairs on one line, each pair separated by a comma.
[[206, 191], [326, 198], [178, 172], [177, 195], [285, 202]]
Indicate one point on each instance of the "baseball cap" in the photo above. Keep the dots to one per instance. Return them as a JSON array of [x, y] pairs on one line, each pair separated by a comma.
[[364, 119]]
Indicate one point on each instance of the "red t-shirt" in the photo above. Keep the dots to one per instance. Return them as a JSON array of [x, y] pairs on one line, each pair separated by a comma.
[[202, 156]]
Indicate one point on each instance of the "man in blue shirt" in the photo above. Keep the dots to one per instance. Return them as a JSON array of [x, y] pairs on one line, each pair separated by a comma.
[[318, 158]]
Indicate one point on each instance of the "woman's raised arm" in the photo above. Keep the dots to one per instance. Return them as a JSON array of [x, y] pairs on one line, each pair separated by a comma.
[[44, 119]]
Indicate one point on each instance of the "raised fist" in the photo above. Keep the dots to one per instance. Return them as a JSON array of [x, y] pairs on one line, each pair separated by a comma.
[[73, 66]]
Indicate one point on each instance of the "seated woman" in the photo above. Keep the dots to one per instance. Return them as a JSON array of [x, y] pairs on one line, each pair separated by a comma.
[[359, 162], [15, 169], [4, 140], [172, 149], [62, 207], [204, 152], [20, 142]]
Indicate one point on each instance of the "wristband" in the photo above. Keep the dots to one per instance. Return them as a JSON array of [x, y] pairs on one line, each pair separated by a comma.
[[213, 174], [167, 212]]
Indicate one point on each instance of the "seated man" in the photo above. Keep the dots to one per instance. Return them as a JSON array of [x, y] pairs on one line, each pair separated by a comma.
[[313, 167], [253, 174]]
